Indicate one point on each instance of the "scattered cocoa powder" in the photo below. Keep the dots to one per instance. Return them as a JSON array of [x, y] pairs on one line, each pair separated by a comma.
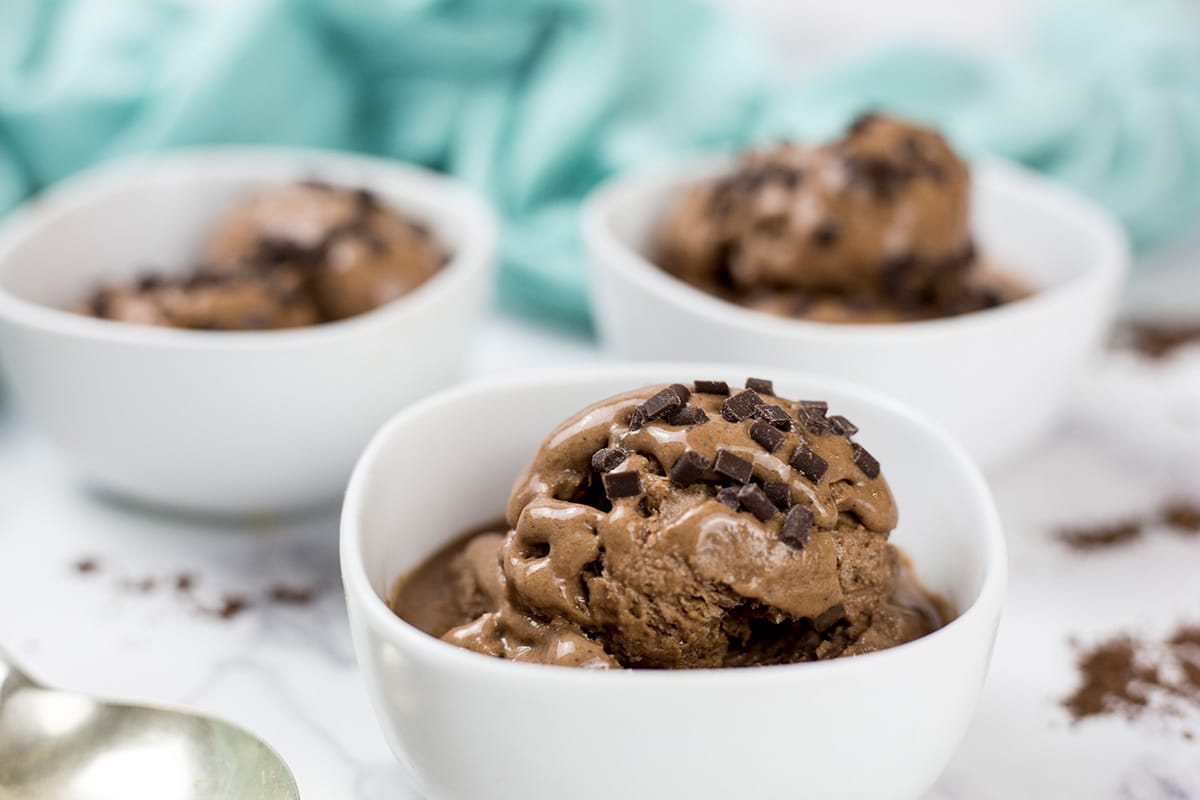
[[1134, 678], [1100, 537], [293, 595], [1159, 340], [1180, 515], [230, 605], [86, 566]]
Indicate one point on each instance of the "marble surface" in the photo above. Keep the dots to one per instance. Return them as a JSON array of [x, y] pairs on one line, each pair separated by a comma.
[[286, 671]]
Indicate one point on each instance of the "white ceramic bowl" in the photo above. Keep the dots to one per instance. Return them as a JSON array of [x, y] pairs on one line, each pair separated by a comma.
[[469, 727], [225, 422], [995, 378]]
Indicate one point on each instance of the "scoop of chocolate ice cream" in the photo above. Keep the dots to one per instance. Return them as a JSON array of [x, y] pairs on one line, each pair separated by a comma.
[[235, 302], [874, 226], [685, 526], [356, 254]]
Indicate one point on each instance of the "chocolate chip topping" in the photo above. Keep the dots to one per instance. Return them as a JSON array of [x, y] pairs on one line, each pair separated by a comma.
[[637, 419], [778, 493], [661, 403], [796, 527], [682, 392], [755, 500], [761, 385], [813, 420], [711, 387], [688, 468], [688, 415], [607, 459], [818, 407], [766, 435], [733, 467], [622, 484], [808, 463], [825, 234], [865, 461], [774, 415], [843, 425], [729, 496], [741, 405]]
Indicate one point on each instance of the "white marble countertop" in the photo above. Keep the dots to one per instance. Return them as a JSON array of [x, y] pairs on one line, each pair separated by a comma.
[[287, 672]]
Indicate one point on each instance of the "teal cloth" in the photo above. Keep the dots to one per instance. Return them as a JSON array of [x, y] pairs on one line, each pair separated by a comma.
[[534, 101]]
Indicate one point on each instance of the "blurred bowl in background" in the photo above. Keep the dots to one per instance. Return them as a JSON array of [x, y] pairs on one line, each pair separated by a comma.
[[996, 379], [223, 422]]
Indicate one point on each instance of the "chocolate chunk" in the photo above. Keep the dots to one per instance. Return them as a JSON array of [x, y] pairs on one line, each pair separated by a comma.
[[843, 425], [688, 468], [740, 406], [733, 467], [661, 403], [761, 385], [688, 415], [825, 234], [755, 500], [606, 459], [819, 407], [637, 419], [622, 484], [711, 387], [829, 617], [682, 392], [808, 463], [766, 435], [729, 496], [813, 421], [864, 460], [796, 527], [774, 415], [778, 493]]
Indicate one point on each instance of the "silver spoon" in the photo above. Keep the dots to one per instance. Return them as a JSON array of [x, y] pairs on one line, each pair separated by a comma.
[[57, 745]]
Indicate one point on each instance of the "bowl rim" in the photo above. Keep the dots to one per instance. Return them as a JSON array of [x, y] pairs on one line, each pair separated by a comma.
[[608, 251], [95, 184], [360, 594]]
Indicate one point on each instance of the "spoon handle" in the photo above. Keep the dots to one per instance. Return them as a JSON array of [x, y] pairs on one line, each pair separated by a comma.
[[12, 679]]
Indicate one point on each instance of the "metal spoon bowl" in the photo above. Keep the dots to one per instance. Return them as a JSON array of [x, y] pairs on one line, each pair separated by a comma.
[[57, 745]]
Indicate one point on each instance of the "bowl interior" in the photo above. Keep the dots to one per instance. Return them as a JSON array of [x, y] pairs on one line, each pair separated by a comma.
[[447, 465], [1021, 222], [119, 221]]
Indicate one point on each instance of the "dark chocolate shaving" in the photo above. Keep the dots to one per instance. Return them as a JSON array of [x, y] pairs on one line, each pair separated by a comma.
[[606, 459], [808, 463], [755, 500], [688, 415], [825, 234], [661, 403], [767, 435], [796, 527], [778, 493], [711, 387], [622, 484], [729, 496], [740, 406], [843, 425], [733, 467], [761, 385], [864, 460], [775, 416], [688, 468]]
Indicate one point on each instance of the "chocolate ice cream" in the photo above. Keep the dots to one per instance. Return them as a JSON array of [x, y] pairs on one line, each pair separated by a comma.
[[683, 527], [296, 255], [873, 227]]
